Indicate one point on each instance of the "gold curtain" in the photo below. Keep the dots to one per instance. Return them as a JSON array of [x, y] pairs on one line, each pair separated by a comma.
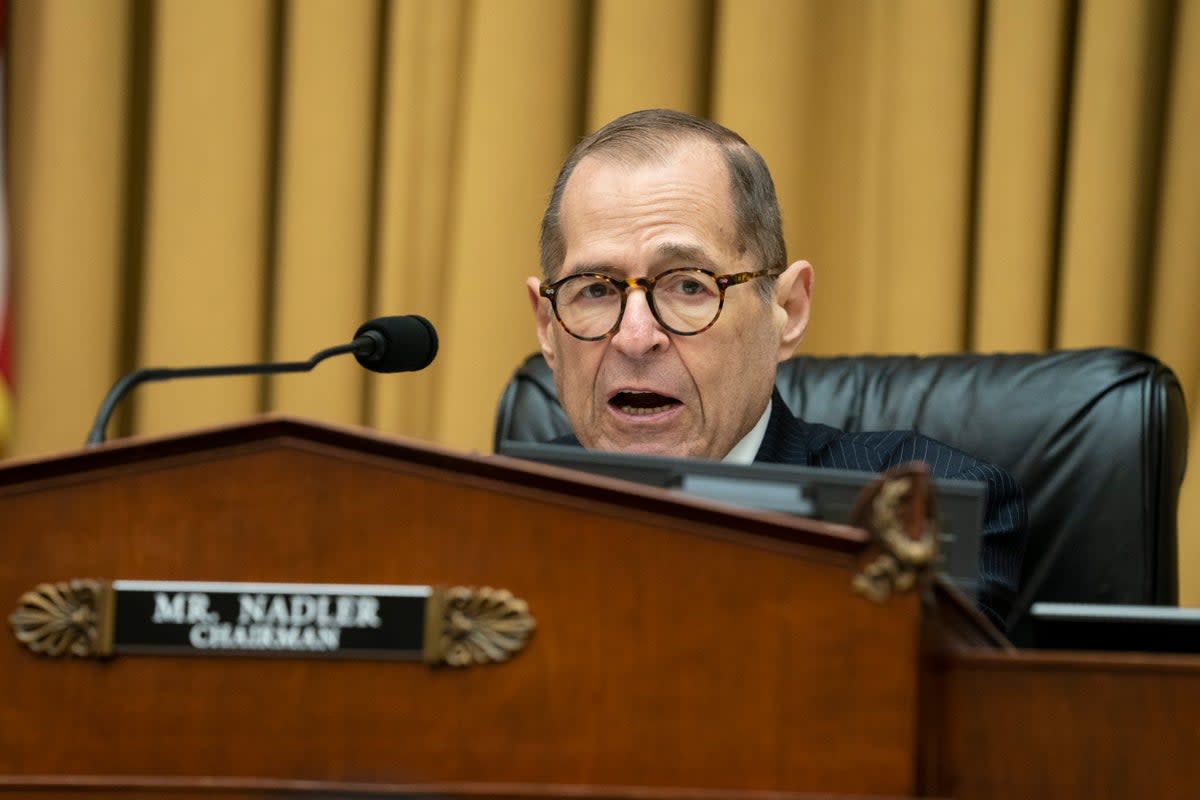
[[249, 179]]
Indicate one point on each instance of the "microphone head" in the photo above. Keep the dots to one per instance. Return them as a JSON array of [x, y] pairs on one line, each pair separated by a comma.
[[402, 344]]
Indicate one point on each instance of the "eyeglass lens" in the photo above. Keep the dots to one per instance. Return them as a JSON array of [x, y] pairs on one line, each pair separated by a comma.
[[685, 302]]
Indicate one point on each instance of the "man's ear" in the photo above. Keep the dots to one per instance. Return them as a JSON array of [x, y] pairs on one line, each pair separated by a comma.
[[543, 316], [793, 293]]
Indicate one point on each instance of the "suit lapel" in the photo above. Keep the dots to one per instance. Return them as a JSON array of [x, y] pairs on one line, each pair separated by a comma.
[[787, 440]]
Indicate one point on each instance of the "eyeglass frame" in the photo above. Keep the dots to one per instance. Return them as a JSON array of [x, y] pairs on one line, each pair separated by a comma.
[[549, 290]]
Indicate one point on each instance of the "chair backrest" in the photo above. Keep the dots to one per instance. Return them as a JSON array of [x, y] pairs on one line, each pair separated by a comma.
[[1096, 438]]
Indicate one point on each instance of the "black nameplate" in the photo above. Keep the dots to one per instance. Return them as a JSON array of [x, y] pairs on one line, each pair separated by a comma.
[[348, 621]]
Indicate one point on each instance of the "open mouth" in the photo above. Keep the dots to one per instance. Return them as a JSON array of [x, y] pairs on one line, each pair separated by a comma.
[[642, 403]]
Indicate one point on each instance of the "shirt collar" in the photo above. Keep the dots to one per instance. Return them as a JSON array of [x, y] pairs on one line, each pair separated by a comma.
[[744, 451]]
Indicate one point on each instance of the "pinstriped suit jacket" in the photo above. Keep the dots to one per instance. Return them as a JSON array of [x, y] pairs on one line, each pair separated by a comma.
[[790, 440]]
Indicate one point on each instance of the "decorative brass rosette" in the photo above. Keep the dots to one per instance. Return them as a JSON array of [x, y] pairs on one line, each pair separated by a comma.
[[898, 513], [71, 617], [467, 626]]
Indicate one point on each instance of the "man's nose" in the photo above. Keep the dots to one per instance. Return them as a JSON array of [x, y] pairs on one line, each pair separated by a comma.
[[639, 332]]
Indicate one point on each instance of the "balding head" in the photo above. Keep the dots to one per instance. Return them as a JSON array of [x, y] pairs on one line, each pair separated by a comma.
[[656, 135]]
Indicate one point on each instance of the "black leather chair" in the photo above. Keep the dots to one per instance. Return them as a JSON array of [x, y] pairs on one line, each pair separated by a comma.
[[1097, 439]]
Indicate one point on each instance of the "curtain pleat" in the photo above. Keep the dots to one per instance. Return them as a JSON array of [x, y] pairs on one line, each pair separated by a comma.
[[926, 186], [834, 214], [1021, 115], [66, 197], [204, 225], [236, 180], [1113, 141], [326, 161], [648, 54], [422, 104]]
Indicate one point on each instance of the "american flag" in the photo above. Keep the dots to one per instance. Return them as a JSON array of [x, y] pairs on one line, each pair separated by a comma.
[[6, 382]]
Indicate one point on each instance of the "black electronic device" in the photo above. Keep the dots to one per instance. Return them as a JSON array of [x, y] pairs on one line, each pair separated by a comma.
[[814, 492], [1092, 626]]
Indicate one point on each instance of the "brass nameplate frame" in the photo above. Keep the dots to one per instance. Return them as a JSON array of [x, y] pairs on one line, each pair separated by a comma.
[[456, 626]]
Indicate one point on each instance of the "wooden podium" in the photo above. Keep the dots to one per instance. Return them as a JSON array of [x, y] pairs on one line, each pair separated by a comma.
[[682, 648]]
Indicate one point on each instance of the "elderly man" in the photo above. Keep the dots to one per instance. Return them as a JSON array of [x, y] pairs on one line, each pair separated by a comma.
[[667, 302]]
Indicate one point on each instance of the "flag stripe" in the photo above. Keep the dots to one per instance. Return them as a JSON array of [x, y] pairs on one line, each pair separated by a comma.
[[6, 374]]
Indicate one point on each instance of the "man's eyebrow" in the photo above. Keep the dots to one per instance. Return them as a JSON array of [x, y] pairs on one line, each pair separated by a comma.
[[685, 252], [667, 251], [602, 267]]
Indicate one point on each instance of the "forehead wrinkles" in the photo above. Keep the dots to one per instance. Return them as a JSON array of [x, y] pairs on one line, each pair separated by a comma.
[[691, 188]]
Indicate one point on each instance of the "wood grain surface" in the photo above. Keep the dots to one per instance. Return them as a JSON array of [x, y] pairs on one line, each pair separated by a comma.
[[679, 643]]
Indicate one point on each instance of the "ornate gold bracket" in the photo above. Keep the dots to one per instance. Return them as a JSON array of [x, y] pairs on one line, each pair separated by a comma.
[[466, 626], [898, 513], [67, 618]]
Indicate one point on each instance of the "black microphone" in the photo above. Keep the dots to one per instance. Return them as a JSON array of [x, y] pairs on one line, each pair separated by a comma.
[[398, 344], [386, 344]]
